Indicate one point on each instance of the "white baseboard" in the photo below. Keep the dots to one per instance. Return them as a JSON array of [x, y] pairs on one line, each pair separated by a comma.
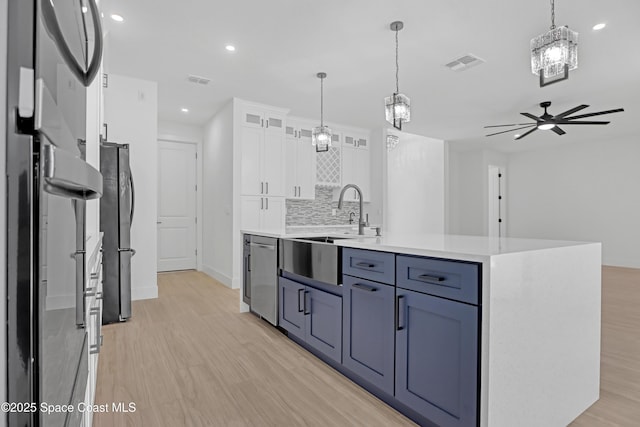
[[220, 277], [148, 292]]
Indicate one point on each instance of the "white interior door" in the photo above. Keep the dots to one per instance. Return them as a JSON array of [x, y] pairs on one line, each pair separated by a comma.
[[176, 206]]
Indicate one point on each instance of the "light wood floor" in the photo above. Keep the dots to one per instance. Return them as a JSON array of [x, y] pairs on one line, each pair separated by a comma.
[[189, 358]]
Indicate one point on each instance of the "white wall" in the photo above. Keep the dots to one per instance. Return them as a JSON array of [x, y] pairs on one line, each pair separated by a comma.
[[414, 201], [586, 191], [376, 173], [217, 199], [131, 111], [3, 199]]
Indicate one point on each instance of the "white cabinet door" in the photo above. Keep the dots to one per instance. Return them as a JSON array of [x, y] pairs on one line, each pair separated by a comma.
[[290, 160], [252, 117], [273, 157], [251, 141], [274, 122], [306, 166], [273, 213], [349, 172], [251, 209]]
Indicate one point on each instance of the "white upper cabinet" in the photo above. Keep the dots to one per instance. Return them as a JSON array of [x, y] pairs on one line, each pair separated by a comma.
[[300, 161], [356, 168], [263, 152]]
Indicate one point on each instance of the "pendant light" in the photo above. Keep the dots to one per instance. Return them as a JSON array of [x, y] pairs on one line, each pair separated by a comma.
[[321, 135], [397, 106], [554, 53]]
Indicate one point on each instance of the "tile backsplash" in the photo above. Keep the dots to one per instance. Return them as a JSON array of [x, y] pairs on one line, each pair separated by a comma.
[[318, 211]]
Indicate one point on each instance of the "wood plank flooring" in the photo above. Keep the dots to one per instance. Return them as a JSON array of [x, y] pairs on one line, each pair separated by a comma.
[[189, 358]]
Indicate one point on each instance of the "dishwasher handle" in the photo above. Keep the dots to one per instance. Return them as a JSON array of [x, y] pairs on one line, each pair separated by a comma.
[[263, 246]]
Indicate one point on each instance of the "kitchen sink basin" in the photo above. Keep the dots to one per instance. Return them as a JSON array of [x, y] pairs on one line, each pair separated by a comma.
[[324, 239]]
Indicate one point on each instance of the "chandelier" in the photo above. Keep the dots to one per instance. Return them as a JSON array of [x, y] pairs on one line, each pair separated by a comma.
[[554, 53], [397, 106], [321, 135]]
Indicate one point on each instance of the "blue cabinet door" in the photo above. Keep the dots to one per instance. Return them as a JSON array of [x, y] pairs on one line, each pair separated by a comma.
[[323, 322], [437, 358], [368, 333], [291, 307]]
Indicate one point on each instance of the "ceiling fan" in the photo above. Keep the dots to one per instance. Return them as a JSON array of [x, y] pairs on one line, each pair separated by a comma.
[[549, 122]]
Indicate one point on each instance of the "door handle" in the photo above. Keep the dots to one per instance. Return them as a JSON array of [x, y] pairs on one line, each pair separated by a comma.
[[367, 288], [300, 309], [398, 315], [95, 348], [430, 278], [306, 293], [133, 251]]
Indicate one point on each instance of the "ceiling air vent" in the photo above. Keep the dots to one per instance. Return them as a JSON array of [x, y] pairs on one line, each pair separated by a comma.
[[464, 62], [198, 79]]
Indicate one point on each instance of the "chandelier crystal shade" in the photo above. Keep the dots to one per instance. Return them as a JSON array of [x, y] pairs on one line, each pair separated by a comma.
[[321, 135], [554, 53], [397, 106]]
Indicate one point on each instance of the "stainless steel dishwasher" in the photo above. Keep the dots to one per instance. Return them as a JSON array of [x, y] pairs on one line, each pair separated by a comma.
[[264, 278]]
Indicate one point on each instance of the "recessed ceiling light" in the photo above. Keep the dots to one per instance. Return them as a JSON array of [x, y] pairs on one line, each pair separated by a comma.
[[230, 48], [600, 26], [117, 17], [84, 9], [184, 110]]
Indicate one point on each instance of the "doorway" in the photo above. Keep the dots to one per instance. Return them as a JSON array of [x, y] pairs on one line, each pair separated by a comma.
[[177, 200]]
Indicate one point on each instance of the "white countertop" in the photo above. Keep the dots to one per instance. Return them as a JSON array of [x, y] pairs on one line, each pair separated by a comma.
[[473, 248], [455, 246]]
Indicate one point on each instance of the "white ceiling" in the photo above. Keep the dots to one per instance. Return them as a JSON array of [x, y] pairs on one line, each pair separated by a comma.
[[282, 44]]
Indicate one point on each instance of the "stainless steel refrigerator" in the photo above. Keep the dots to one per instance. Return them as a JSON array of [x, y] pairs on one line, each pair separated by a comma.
[[54, 53], [116, 215]]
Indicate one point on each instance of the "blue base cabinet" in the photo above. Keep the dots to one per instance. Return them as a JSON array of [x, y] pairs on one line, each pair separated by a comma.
[[312, 315], [437, 358], [368, 334]]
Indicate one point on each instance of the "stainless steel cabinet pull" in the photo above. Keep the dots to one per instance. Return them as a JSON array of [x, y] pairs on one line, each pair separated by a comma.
[[133, 251], [90, 292], [267, 203], [399, 313], [430, 278], [158, 222], [267, 187], [261, 187], [261, 203], [261, 123], [306, 293], [300, 309], [365, 265], [267, 123], [364, 287]]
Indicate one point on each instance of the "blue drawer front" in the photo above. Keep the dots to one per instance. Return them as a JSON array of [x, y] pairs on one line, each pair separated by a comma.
[[459, 281], [378, 266]]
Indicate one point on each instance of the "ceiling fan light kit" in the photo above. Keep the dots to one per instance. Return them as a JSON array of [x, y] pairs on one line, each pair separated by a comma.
[[554, 53], [397, 106], [321, 135]]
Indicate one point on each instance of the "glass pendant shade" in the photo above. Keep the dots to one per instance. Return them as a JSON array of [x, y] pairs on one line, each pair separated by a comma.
[[321, 138], [554, 53], [392, 142], [397, 109]]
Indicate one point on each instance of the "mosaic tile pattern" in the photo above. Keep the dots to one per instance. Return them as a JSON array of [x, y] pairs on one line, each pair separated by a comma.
[[318, 211]]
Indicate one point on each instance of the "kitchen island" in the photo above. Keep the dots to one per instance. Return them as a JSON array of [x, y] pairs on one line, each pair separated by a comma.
[[524, 315]]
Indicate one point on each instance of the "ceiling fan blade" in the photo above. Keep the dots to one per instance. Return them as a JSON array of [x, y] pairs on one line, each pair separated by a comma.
[[514, 124], [599, 113], [557, 130], [510, 130], [531, 116], [527, 133], [566, 122], [571, 111]]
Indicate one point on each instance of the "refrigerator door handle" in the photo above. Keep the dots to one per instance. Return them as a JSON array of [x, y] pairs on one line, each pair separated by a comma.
[[53, 28], [69, 176], [133, 200], [133, 251]]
